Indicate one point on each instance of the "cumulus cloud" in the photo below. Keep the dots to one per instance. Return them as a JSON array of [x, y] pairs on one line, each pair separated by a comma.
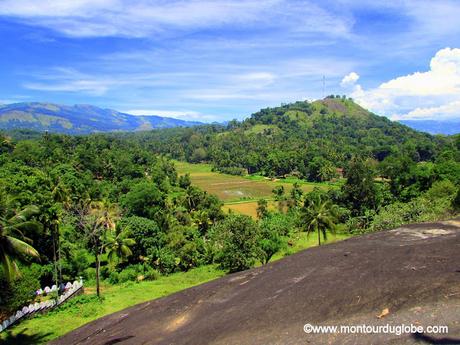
[[432, 94], [450, 110], [350, 79]]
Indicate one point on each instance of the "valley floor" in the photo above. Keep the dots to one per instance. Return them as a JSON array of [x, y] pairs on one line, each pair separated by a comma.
[[241, 193]]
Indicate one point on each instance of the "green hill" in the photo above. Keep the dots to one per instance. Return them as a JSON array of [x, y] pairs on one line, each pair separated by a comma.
[[309, 140]]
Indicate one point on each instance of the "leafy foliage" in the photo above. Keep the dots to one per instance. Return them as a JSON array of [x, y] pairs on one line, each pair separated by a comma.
[[235, 242]]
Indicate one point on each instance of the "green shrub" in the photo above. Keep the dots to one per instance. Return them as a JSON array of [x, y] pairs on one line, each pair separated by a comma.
[[456, 202], [151, 274], [235, 242], [417, 210], [128, 274], [18, 293], [114, 277], [166, 261], [89, 273]]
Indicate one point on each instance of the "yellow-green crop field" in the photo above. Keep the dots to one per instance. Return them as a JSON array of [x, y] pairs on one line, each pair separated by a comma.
[[240, 193]]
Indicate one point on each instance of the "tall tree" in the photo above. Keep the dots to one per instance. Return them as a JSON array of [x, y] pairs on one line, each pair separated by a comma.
[[359, 191], [320, 215], [95, 219]]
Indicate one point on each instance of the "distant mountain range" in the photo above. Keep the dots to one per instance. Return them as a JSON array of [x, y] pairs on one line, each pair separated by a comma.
[[85, 119], [79, 119], [447, 127]]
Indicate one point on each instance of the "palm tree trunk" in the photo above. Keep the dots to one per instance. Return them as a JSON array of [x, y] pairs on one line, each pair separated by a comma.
[[319, 236], [97, 275], [54, 258], [59, 255]]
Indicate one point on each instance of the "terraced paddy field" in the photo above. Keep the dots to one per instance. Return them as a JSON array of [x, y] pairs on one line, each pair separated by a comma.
[[240, 193]]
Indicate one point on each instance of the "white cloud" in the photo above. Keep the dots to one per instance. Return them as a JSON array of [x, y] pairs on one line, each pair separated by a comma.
[[433, 94], [146, 18], [446, 111], [349, 79]]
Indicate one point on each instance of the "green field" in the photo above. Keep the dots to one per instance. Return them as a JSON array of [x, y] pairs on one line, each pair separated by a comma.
[[230, 188], [240, 193], [86, 308]]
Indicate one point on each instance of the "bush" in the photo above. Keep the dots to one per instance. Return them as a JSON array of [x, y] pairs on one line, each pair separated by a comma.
[[272, 230], [151, 274], [134, 273], [235, 242], [128, 274], [18, 293], [441, 189], [456, 202], [417, 210], [89, 273], [166, 261]]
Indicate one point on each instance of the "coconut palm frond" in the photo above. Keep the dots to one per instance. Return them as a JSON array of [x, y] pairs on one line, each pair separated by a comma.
[[26, 226], [10, 268], [24, 215], [20, 248]]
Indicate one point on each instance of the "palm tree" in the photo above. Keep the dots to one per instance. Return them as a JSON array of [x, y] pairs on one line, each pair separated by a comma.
[[14, 245], [61, 198], [320, 215], [95, 220], [117, 245]]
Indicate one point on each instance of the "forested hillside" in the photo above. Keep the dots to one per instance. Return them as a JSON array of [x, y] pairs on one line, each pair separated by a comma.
[[308, 140]]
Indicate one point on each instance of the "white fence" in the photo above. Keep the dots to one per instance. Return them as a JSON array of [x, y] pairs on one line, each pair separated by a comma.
[[69, 291]]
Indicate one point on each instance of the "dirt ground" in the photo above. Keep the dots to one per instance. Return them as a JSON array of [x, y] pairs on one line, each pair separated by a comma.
[[411, 274]]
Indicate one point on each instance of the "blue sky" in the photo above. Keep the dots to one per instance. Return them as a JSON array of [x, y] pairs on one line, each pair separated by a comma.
[[219, 60]]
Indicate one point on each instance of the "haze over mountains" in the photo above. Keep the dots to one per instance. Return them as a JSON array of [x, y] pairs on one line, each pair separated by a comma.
[[79, 119], [85, 119], [447, 127]]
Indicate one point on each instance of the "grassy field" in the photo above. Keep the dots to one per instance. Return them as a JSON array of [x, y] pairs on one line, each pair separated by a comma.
[[240, 193], [86, 308], [230, 188]]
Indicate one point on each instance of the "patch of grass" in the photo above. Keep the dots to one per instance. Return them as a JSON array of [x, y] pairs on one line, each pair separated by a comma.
[[88, 307], [260, 128], [184, 167], [300, 241]]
